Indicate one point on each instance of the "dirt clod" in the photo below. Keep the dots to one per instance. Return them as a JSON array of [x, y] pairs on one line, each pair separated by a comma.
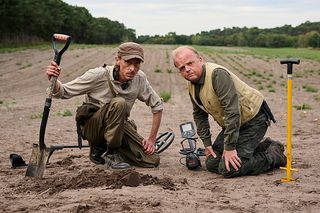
[[132, 179]]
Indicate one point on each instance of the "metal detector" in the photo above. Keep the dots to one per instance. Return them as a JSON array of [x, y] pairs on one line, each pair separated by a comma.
[[190, 149]]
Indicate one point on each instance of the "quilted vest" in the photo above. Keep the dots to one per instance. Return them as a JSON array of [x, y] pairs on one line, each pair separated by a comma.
[[250, 99]]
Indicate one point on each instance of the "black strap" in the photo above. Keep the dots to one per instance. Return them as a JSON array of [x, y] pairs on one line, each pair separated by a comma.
[[267, 111], [79, 135]]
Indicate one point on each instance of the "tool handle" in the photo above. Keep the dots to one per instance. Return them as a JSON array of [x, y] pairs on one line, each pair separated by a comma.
[[58, 54], [47, 105], [44, 121], [290, 62], [62, 39]]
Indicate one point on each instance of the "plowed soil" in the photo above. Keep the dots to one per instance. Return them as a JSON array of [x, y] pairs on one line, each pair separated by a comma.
[[72, 183]]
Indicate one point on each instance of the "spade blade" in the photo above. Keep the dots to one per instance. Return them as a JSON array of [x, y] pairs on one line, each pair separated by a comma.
[[38, 161]]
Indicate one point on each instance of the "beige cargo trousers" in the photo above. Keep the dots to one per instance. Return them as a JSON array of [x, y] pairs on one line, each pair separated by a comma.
[[110, 125]]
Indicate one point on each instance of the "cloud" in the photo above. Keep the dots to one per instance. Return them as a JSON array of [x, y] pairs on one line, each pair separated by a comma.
[[191, 16]]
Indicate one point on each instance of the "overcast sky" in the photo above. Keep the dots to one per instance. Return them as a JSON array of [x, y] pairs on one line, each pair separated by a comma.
[[151, 17]]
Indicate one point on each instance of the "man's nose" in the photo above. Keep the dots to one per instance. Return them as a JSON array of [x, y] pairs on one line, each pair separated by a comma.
[[188, 68], [131, 67]]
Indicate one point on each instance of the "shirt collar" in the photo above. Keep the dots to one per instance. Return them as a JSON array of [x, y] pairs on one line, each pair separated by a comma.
[[115, 74]]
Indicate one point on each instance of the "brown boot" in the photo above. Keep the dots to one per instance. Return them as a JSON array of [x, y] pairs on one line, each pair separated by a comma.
[[275, 150], [114, 160], [96, 150]]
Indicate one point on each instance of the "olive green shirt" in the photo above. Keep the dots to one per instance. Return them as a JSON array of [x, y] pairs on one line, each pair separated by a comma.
[[227, 94]]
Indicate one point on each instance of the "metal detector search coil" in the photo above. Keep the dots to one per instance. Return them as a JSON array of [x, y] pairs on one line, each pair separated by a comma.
[[164, 140]]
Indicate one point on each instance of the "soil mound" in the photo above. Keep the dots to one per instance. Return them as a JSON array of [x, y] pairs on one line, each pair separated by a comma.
[[92, 178]]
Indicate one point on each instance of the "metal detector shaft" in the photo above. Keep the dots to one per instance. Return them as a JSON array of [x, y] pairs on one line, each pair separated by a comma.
[[60, 147], [191, 148], [191, 144]]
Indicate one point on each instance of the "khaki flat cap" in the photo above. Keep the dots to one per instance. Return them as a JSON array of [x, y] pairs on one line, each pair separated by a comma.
[[129, 50]]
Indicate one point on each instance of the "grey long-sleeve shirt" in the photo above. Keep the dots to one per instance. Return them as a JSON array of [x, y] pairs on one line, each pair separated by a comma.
[[94, 85], [226, 92]]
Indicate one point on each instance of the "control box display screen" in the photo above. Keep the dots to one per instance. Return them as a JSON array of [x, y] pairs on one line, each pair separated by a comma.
[[187, 130]]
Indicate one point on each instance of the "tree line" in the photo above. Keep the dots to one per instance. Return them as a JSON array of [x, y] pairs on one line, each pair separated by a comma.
[[27, 21], [305, 35], [24, 21]]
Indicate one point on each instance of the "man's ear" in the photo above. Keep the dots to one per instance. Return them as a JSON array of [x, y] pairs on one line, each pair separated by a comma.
[[118, 58]]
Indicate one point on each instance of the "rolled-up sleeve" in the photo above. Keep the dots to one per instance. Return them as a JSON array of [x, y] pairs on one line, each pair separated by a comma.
[[79, 86], [59, 93]]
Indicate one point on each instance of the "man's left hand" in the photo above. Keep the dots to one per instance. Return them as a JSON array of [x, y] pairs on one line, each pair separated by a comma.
[[233, 158], [149, 146]]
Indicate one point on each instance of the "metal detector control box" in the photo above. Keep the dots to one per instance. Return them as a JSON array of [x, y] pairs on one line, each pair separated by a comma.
[[190, 149], [187, 130]]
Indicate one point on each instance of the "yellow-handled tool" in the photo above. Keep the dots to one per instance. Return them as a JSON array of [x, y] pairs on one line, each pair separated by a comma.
[[289, 168]]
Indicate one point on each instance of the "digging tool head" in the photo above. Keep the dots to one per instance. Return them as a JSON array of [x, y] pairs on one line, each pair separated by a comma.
[[38, 161]]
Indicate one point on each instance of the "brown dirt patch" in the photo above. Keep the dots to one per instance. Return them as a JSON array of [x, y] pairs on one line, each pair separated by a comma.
[[73, 184], [87, 178]]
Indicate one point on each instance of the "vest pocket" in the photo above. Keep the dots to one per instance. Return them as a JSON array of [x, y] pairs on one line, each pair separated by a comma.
[[246, 110]]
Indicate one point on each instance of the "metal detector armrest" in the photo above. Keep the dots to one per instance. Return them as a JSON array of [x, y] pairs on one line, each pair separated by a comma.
[[191, 148]]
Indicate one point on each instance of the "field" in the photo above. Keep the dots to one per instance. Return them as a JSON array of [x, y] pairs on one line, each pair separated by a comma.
[[72, 183]]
